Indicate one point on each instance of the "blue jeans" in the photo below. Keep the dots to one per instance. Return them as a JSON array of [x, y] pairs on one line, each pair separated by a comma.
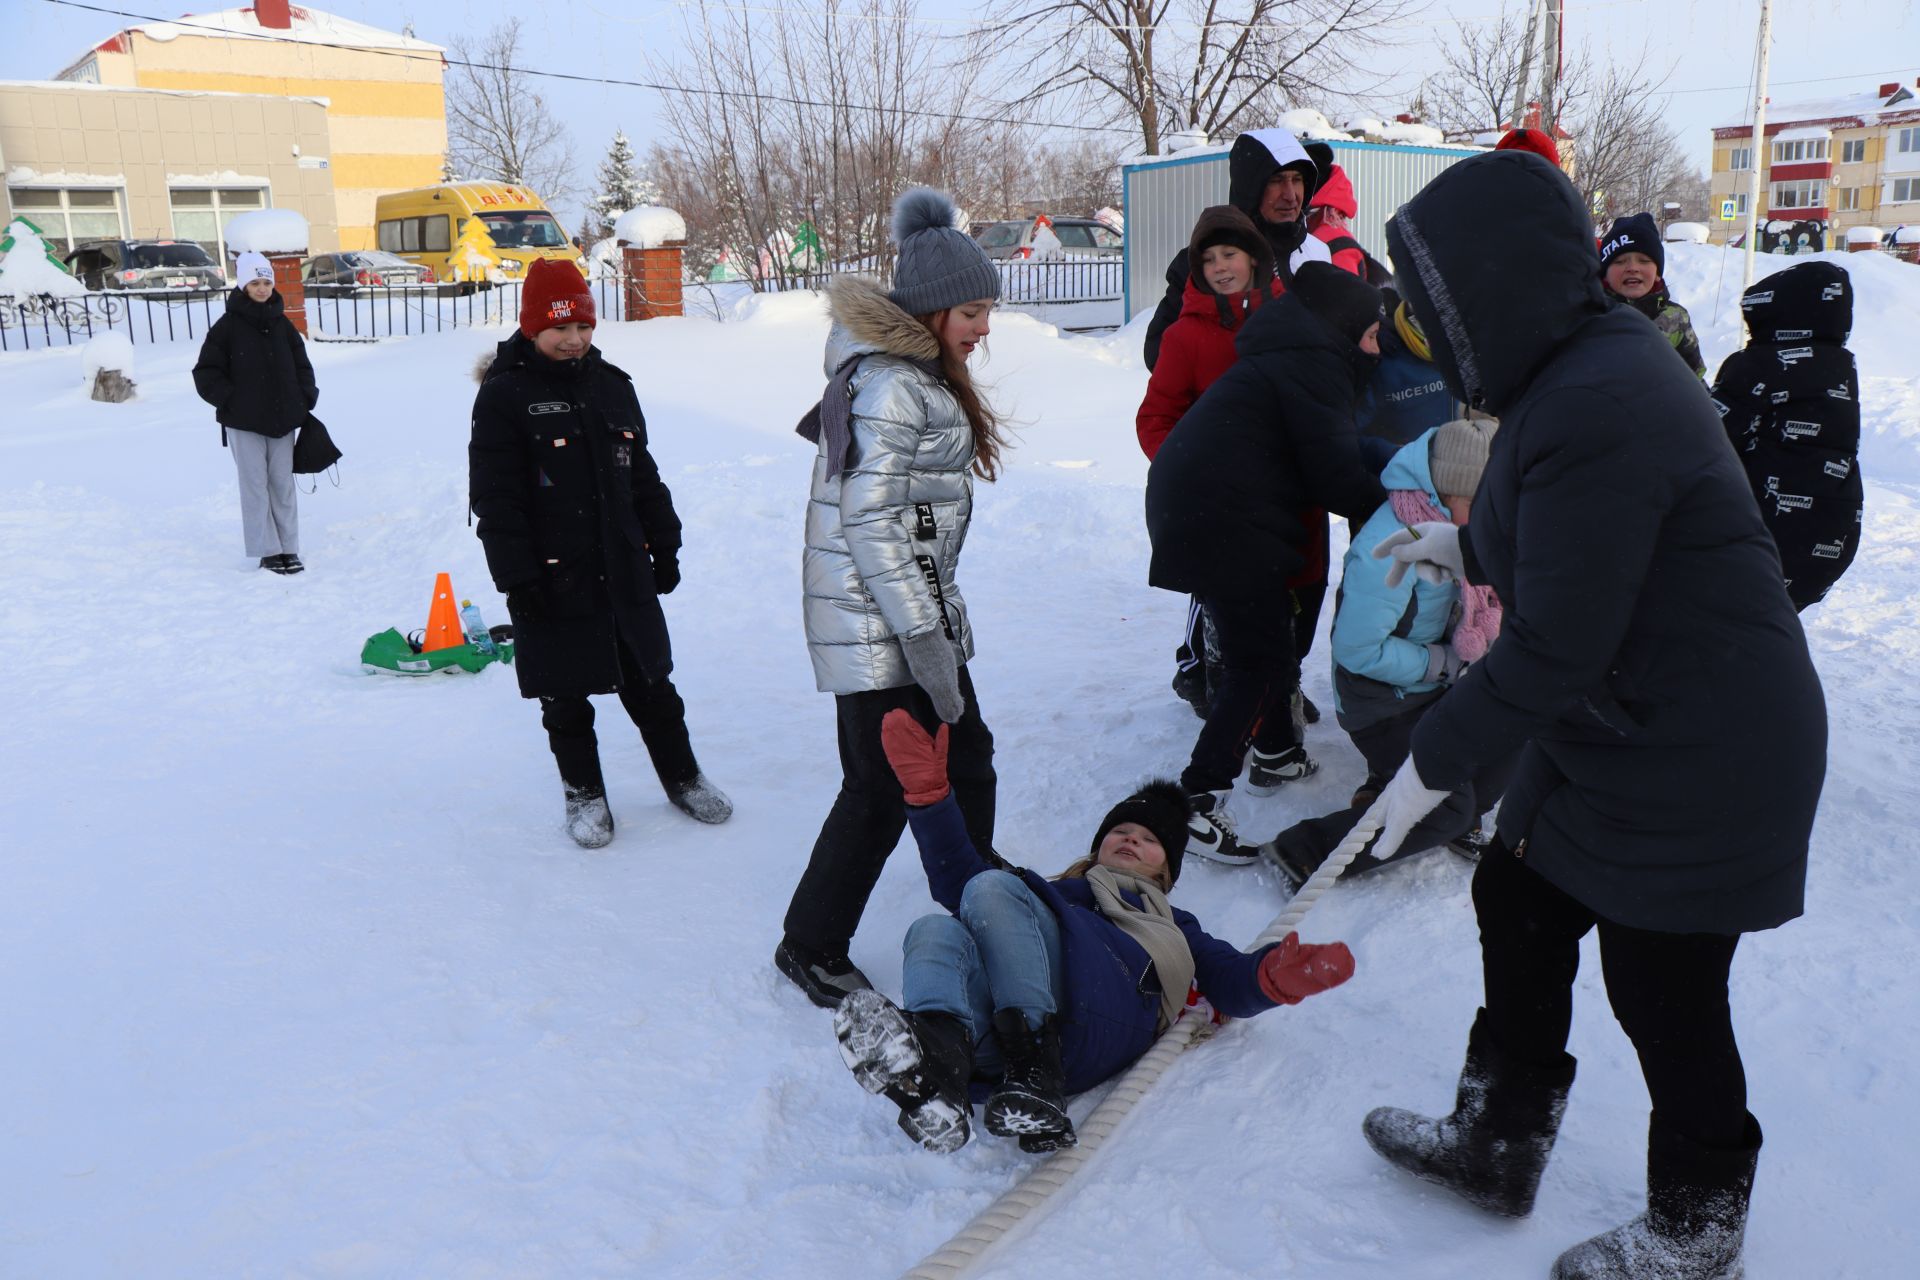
[[1000, 950]]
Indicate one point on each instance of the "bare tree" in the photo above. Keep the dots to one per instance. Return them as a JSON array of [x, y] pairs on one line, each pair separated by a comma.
[[498, 128], [1483, 65], [1166, 65], [788, 136]]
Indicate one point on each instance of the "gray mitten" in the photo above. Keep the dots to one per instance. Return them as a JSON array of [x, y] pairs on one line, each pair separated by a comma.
[[935, 668]]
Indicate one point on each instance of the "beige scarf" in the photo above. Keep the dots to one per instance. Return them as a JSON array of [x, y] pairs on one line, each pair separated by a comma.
[[1152, 926]]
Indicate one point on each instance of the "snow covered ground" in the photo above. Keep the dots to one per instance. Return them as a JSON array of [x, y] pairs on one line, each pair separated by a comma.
[[301, 977]]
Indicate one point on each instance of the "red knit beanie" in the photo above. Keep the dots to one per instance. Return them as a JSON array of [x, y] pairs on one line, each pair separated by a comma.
[[1530, 140], [555, 293]]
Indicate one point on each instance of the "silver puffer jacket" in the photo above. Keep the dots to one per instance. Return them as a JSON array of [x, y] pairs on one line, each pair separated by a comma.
[[872, 563]]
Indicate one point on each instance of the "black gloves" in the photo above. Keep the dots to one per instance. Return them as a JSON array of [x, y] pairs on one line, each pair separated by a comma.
[[666, 569]]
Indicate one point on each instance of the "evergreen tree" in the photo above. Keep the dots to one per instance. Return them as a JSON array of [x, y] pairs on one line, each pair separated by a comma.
[[623, 184]]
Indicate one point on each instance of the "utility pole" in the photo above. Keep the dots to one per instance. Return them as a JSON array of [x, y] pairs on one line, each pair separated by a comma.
[[1550, 70], [1524, 81], [1759, 155]]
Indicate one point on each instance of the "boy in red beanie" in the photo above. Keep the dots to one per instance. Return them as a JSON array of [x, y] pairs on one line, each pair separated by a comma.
[[582, 539]]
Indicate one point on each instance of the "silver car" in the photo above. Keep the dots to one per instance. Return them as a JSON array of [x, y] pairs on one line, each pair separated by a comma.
[[359, 269], [145, 264], [1079, 238]]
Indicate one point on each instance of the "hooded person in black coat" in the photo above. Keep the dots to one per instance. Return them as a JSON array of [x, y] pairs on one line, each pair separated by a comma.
[[253, 369], [1232, 498], [1259, 157], [582, 539], [1652, 674]]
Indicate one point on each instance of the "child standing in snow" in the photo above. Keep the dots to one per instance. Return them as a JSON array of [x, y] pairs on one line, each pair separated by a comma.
[[1790, 401], [1230, 273], [253, 369], [1039, 988], [1399, 642], [582, 539], [1631, 260], [901, 432]]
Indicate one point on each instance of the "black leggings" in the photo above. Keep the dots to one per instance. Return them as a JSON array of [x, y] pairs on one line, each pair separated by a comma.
[[870, 812], [1669, 991]]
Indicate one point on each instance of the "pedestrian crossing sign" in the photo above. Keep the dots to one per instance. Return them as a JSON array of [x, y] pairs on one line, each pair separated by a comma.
[[1726, 210]]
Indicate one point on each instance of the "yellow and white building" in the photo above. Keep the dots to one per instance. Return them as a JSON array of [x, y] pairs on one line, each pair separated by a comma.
[[383, 91], [1832, 164]]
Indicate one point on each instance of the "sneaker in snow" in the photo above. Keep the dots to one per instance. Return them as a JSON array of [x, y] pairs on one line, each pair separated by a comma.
[[1470, 845], [827, 980], [290, 563], [1210, 832], [1266, 774], [589, 821], [700, 800], [275, 564]]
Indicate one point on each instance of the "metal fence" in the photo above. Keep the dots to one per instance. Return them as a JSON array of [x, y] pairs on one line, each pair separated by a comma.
[[371, 312]]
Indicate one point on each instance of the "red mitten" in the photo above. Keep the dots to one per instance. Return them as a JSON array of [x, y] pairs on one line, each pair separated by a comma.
[[1295, 970], [918, 760]]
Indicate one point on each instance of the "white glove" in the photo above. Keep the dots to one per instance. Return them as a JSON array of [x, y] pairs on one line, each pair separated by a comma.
[[1432, 548], [1405, 801]]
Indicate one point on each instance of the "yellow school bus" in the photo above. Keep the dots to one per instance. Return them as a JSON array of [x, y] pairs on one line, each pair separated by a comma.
[[422, 226]]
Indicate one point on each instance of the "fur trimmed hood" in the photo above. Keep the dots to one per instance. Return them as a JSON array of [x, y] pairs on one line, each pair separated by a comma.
[[866, 320]]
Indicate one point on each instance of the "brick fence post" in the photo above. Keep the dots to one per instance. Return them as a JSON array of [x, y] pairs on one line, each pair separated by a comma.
[[653, 280], [292, 290]]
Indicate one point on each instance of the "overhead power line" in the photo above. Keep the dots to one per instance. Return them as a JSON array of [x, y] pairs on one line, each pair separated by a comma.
[[448, 60]]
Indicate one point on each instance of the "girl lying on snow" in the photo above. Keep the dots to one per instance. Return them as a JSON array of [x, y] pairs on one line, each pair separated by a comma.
[[1036, 988]]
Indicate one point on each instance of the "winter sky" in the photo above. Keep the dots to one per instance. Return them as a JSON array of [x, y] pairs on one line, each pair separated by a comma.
[[1820, 50]]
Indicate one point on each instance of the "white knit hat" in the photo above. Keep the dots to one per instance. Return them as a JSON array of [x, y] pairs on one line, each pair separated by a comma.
[[1459, 454], [252, 266]]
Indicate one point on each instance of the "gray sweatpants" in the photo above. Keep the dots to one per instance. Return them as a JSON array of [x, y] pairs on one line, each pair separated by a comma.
[[267, 512]]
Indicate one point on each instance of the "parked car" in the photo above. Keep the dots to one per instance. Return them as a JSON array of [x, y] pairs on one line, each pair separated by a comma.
[[363, 268], [145, 264], [1079, 238]]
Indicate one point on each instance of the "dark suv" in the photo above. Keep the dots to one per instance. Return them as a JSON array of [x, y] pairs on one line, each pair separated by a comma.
[[145, 264]]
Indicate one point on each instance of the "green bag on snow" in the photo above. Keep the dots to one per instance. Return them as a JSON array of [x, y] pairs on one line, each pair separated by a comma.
[[389, 654]]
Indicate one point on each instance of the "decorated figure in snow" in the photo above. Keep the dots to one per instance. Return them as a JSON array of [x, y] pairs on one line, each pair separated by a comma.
[[1032, 989], [901, 432], [582, 539]]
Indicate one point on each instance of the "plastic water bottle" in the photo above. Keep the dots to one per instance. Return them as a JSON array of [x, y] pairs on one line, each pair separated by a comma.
[[476, 629]]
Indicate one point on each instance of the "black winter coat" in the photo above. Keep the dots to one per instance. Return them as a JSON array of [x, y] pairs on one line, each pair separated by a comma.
[[568, 497], [1269, 442], [1790, 401], [253, 368], [1649, 662]]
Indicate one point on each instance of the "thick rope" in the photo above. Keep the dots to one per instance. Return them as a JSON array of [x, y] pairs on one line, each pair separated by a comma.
[[958, 1255]]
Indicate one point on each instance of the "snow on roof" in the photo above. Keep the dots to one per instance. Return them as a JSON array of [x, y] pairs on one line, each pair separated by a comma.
[[1414, 135], [1308, 123], [309, 26], [1685, 233], [1864, 235], [1803, 131], [23, 176], [1863, 106], [82, 86], [267, 231], [649, 227]]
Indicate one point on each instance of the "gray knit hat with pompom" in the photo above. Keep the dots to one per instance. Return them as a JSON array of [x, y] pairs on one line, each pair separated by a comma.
[[939, 265]]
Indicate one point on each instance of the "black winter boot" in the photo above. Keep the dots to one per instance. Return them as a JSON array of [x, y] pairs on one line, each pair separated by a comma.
[[826, 978], [1028, 1103], [920, 1061], [1493, 1148], [1696, 1218], [589, 821]]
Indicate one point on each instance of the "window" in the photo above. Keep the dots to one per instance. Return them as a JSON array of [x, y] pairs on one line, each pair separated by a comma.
[[200, 214], [1853, 151], [524, 230], [1846, 199], [1800, 149], [1741, 158], [1740, 202], [416, 235], [1908, 139], [67, 216], [1905, 189], [1804, 194]]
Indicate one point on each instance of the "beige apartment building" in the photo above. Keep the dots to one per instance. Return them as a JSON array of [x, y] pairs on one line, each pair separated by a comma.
[[85, 162], [1831, 165], [381, 91]]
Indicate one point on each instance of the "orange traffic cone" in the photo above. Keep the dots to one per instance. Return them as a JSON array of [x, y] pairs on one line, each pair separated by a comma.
[[443, 620]]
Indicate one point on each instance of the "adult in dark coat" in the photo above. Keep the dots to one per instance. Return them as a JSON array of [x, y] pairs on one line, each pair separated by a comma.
[[1790, 401], [582, 539], [1231, 500], [1271, 178], [1652, 672], [253, 369]]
